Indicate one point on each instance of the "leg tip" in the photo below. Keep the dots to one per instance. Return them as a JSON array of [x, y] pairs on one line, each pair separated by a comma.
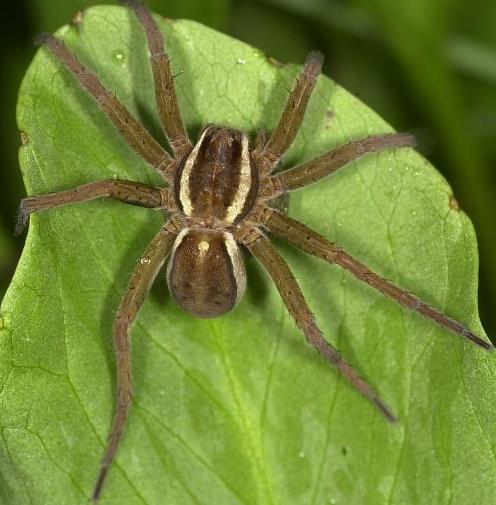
[[385, 410], [314, 62], [19, 228], [97, 491], [489, 346], [315, 57], [21, 221], [485, 344], [406, 140], [375, 143], [133, 4], [43, 38]]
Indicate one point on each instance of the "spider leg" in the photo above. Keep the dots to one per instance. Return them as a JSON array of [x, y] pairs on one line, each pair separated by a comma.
[[311, 242], [130, 192], [165, 94], [139, 284], [283, 135], [260, 140], [297, 307], [331, 161], [136, 135]]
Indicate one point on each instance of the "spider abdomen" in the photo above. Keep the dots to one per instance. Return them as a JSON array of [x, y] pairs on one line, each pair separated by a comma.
[[206, 272]]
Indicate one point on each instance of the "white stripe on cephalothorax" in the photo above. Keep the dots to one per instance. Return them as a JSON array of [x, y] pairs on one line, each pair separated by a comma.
[[244, 185], [184, 194], [238, 265]]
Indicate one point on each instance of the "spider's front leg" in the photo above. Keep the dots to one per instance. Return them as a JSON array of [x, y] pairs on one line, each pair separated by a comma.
[[130, 192], [136, 135], [269, 155], [141, 280], [165, 93], [297, 307], [311, 242]]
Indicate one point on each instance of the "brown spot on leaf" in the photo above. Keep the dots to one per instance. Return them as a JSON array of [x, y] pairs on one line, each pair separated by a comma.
[[273, 61], [329, 116], [77, 19], [24, 138], [453, 203]]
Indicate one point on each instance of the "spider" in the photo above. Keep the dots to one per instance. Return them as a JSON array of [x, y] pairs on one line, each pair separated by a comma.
[[219, 195]]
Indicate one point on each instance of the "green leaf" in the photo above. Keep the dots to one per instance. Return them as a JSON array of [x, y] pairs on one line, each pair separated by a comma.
[[238, 410]]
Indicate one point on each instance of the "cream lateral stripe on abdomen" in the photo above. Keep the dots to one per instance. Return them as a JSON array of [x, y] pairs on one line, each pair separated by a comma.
[[177, 242], [184, 194], [237, 265], [244, 184]]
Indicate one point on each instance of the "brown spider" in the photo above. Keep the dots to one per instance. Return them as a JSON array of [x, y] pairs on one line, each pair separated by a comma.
[[218, 196]]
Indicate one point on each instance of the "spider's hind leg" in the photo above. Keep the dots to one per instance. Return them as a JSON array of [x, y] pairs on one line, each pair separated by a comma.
[[311, 242], [141, 280], [293, 298]]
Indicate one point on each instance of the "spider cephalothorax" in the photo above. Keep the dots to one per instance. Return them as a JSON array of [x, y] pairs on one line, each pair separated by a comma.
[[218, 197]]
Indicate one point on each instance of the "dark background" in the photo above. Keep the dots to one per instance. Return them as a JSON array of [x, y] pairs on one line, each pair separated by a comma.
[[426, 66]]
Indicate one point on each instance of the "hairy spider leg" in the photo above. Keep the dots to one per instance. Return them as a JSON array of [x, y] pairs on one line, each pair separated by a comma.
[[282, 136], [298, 309], [328, 163], [165, 93], [139, 284], [311, 242], [134, 193], [135, 134]]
